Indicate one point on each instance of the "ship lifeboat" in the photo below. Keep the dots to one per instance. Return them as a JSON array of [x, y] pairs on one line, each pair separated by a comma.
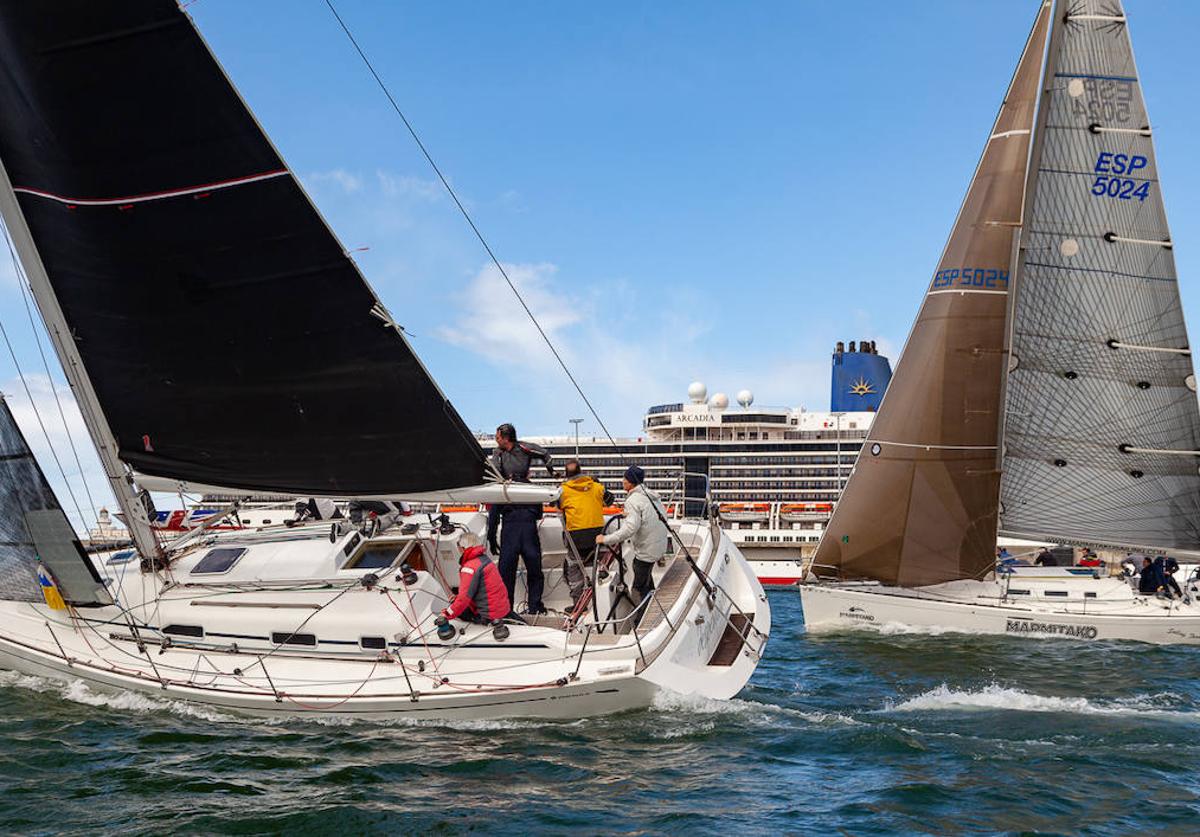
[[746, 512], [805, 511]]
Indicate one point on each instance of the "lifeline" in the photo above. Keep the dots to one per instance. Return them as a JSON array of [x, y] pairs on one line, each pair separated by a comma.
[[1024, 626]]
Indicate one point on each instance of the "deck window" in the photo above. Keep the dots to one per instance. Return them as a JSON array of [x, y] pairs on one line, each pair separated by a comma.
[[220, 560], [281, 638], [122, 557], [375, 557], [1056, 593], [373, 642], [184, 630]]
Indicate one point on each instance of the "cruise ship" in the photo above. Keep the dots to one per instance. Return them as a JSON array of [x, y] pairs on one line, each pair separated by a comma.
[[774, 473]]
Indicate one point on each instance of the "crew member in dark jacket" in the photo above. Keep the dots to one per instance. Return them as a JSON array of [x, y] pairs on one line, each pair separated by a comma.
[[519, 534], [1149, 582]]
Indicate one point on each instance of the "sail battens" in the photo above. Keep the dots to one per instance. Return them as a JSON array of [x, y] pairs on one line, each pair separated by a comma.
[[1098, 326], [1095, 77], [933, 447], [1016, 132], [153, 196], [1117, 344], [1132, 449], [1101, 17]]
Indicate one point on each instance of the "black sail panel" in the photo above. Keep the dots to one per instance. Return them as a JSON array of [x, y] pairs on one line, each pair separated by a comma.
[[228, 337]]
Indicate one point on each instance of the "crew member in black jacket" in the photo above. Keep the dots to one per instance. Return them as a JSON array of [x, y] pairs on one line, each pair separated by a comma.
[[519, 534]]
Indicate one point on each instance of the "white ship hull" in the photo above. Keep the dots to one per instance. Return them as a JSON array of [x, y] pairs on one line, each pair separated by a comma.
[[237, 662], [1114, 613]]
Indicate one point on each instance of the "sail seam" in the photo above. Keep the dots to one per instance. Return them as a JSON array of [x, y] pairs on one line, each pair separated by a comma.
[[151, 196], [934, 447], [968, 291]]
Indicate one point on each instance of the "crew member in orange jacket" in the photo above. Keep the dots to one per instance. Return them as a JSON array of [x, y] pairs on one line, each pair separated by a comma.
[[482, 597]]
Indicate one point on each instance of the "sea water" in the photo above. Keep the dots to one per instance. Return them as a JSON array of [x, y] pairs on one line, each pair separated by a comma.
[[858, 732]]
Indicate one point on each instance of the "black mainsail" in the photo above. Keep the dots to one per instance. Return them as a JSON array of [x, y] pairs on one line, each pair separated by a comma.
[[1102, 429], [227, 336]]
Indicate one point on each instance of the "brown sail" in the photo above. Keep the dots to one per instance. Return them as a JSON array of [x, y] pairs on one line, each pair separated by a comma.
[[920, 507]]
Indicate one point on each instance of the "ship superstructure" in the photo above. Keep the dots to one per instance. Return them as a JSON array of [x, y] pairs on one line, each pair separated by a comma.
[[775, 472]]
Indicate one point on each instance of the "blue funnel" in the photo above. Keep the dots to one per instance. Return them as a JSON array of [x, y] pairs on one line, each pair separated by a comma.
[[860, 377]]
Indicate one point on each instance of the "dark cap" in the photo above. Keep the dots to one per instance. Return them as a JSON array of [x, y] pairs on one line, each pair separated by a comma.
[[635, 474]]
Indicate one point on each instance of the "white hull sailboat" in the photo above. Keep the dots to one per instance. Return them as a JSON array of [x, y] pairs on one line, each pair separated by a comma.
[[319, 640], [1046, 390], [132, 176]]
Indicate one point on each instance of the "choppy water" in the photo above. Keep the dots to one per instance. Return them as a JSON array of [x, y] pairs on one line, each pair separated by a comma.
[[860, 733]]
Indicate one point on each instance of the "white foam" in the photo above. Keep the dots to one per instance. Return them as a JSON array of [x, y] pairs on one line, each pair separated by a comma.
[[945, 698], [752, 711], [77, 691]]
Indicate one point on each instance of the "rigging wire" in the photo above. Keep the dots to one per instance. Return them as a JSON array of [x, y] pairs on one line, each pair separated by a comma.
[[470, 222], [22, 280], [28, 394]]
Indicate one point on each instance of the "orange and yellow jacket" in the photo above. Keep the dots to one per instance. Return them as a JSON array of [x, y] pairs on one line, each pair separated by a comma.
[[582, 502]]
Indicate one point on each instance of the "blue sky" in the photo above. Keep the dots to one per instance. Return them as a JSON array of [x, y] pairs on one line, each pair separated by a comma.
[[709, 191]]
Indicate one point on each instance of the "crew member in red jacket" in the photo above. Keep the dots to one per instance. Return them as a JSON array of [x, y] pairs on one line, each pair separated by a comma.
[[482, 597]]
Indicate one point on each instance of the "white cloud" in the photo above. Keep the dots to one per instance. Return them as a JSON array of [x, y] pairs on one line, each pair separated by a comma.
[[493, 324], [346, 181], [403, 185]]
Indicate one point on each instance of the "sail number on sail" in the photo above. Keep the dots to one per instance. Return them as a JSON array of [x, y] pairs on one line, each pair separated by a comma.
[[971, 277], [1122, 188]]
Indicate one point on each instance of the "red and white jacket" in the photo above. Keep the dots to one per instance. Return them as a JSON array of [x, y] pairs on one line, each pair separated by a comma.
[[482, 595]]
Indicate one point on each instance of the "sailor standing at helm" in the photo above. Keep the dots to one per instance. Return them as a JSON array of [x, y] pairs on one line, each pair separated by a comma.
[[519, 534], [644, 527]]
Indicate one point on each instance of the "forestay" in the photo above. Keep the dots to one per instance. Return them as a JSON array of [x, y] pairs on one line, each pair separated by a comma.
[[228, 337], [1102, 424], [920, 506], [33, 527]]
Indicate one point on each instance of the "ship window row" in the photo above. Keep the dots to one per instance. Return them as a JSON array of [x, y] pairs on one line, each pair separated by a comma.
[[771, 496]]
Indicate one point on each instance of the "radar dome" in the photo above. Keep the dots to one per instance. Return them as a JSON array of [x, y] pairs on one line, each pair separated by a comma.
[[719, 401], [745, 398], [697, 392]]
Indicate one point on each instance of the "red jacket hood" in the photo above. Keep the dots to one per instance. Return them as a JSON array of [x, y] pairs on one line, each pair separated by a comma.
[[471, 553]]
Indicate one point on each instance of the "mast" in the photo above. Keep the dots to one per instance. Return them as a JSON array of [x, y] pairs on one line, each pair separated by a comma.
[[1020, 235], [119, 479]]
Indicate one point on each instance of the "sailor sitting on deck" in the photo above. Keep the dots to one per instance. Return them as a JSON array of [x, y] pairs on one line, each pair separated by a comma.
[[1170, 586], [482, 597], [644, 527]]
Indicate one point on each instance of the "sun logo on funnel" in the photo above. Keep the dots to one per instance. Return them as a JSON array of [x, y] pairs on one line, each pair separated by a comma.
[[862, 387]]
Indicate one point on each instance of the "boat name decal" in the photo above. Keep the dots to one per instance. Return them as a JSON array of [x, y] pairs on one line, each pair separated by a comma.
[[857, 613], [1028, 626]]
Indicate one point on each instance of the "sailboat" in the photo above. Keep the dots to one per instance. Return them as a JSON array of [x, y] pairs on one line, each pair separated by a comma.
[[1046, 390], [133, 180]]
